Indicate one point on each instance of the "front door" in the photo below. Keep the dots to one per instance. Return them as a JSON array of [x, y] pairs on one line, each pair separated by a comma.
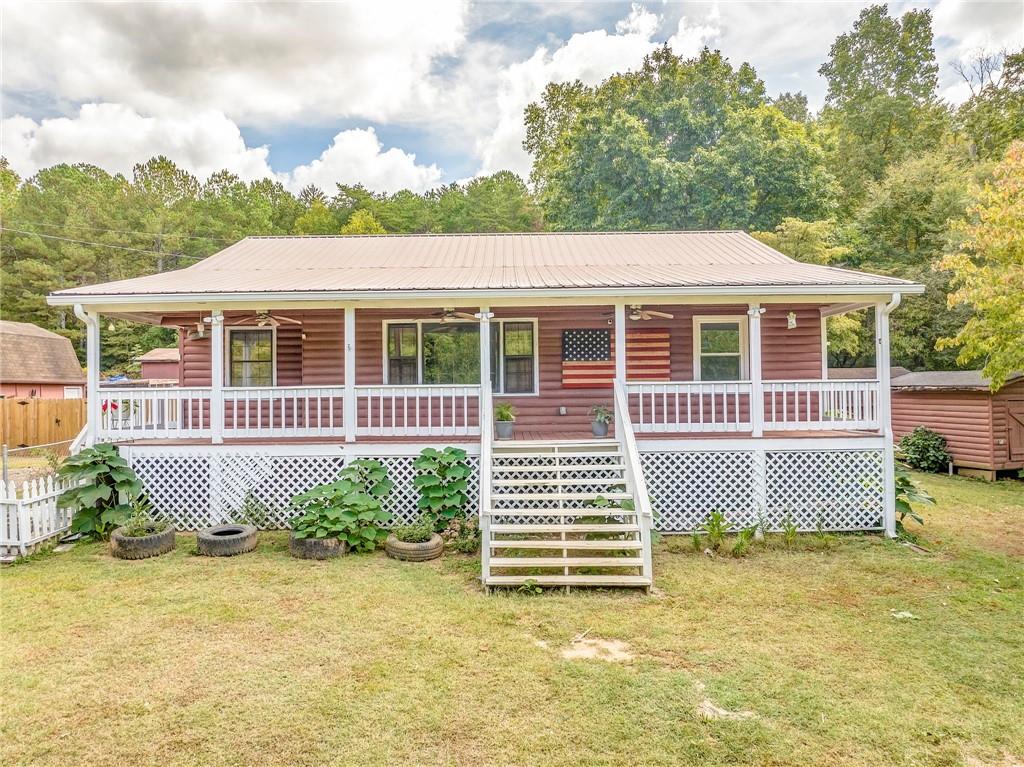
[[1015, 408]]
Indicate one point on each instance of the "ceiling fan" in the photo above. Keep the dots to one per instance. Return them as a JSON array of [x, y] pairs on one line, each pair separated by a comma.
[[637, 312], [450, 315], [262, 319]]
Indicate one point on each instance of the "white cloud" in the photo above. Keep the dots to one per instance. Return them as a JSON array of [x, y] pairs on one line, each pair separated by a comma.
[[115, 137], [261, 64], [356, 156]]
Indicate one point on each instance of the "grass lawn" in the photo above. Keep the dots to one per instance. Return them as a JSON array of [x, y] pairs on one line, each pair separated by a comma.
[[264, 659]]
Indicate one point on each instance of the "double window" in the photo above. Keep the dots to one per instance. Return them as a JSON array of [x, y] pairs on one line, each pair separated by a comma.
[[419, 352], [250, 357], [719, 348]]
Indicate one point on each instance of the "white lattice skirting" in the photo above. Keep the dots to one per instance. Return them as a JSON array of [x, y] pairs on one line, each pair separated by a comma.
[[833, 489], [828, 489]]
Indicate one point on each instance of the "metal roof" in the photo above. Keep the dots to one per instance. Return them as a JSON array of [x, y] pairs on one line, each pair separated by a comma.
[[30, 354], [160, 354], [489, 262], [948, 379]]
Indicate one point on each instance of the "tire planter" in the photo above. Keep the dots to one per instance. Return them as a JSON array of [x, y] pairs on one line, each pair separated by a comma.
[[316, 548], [226, 540], [143, 546], [414, 552]]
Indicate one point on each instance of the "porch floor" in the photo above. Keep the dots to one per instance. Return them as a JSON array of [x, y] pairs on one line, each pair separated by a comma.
[[524, 435]]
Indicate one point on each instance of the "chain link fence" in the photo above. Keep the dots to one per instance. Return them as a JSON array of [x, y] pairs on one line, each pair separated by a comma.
[[24, 464]]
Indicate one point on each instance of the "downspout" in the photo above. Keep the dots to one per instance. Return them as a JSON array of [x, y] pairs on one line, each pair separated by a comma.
[[92, 363]]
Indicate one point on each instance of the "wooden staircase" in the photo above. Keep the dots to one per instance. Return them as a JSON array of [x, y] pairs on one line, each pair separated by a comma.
[[564, 513]]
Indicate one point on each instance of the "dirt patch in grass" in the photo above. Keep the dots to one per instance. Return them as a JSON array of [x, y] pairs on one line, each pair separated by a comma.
[[593, 648]]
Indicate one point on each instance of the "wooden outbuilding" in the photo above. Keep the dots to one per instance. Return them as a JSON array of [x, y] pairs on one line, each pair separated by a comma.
[[984, 429], [38, 363]]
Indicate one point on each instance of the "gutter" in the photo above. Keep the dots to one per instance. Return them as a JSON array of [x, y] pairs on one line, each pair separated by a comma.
[[66, 299]]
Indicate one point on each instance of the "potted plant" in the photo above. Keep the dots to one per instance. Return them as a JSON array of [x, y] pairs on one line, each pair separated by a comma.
[[504, 418], [600, 417], [342, 515], [142, 536], [416, 542]]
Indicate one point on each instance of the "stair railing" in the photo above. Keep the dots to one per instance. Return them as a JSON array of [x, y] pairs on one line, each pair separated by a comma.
[[634, 474], [486, 438]]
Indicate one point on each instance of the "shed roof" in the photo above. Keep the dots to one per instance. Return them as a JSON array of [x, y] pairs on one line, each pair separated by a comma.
[[30, 354], [970, 380], [160, 354], [597, 261]]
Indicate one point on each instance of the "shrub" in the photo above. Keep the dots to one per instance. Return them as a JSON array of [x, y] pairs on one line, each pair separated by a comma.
[[907, 492], [443, 481], [925, 450], [140, 522], [419, 531], [349, 509], [462, 535], [105, 488]]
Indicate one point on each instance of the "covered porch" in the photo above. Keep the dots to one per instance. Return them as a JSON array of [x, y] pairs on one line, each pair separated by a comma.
[[698, 368]]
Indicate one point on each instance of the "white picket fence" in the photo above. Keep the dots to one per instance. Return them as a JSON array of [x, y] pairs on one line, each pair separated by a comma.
[[31, 515]]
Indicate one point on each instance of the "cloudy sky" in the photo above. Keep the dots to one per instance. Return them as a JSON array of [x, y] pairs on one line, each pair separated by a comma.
[[394, 95]]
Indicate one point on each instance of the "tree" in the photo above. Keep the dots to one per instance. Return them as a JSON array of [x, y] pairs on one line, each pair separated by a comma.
[[363, 222], [793, 106], [881, 102], [813, 242], [318, 219], [994, 114], [988, 274], [497, 203], [681, 143]]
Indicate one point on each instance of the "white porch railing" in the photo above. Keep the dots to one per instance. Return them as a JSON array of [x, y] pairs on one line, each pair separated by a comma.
[[820, 405], [154, 413], [418, 411], [690, 406], [294, 411]]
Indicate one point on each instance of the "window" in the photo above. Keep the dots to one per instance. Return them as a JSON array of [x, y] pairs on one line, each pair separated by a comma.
[[72, 392], [719, 348], [403, 355], [448, 353], [250, 357]]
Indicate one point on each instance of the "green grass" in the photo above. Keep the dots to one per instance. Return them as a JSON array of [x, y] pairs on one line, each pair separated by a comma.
[[264, 659]]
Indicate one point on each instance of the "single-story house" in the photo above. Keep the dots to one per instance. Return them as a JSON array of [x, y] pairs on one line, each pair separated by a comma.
[[302, 353], [984, 430], [160, 366], [38, 363]]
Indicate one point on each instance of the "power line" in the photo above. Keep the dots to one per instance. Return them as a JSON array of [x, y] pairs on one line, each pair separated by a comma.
[[125, 231], [101, 244]]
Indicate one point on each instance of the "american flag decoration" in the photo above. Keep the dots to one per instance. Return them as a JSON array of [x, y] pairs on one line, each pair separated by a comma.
[[588, 357]]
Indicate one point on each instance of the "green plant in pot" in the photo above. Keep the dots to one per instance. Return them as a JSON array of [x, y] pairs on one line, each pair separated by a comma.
[[142, 536], [105, 486], [343, 515], [504, 420], [600, 417]]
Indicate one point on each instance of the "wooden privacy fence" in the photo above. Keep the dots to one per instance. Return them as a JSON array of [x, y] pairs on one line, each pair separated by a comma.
[[25, 422], [29, 517]]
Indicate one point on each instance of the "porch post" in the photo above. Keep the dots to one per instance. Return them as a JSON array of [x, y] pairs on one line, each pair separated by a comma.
[[351, 411], [217, 376], [754, 313], [620, 344], [486, 426], [883, 374], [92, 362]]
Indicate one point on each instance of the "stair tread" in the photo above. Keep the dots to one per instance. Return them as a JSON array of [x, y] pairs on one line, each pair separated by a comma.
[[566, 544], [566, 562], [556, 528], [586, 511], [611, 496], [569, 481], [569, 580], [560, 468]]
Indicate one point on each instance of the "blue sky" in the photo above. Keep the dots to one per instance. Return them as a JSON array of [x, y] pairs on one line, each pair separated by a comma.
[[391, 94]]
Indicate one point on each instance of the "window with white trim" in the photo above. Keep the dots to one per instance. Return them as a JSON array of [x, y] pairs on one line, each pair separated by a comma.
[[720, 348], [72, 392], [250, 357], [448, 353]]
